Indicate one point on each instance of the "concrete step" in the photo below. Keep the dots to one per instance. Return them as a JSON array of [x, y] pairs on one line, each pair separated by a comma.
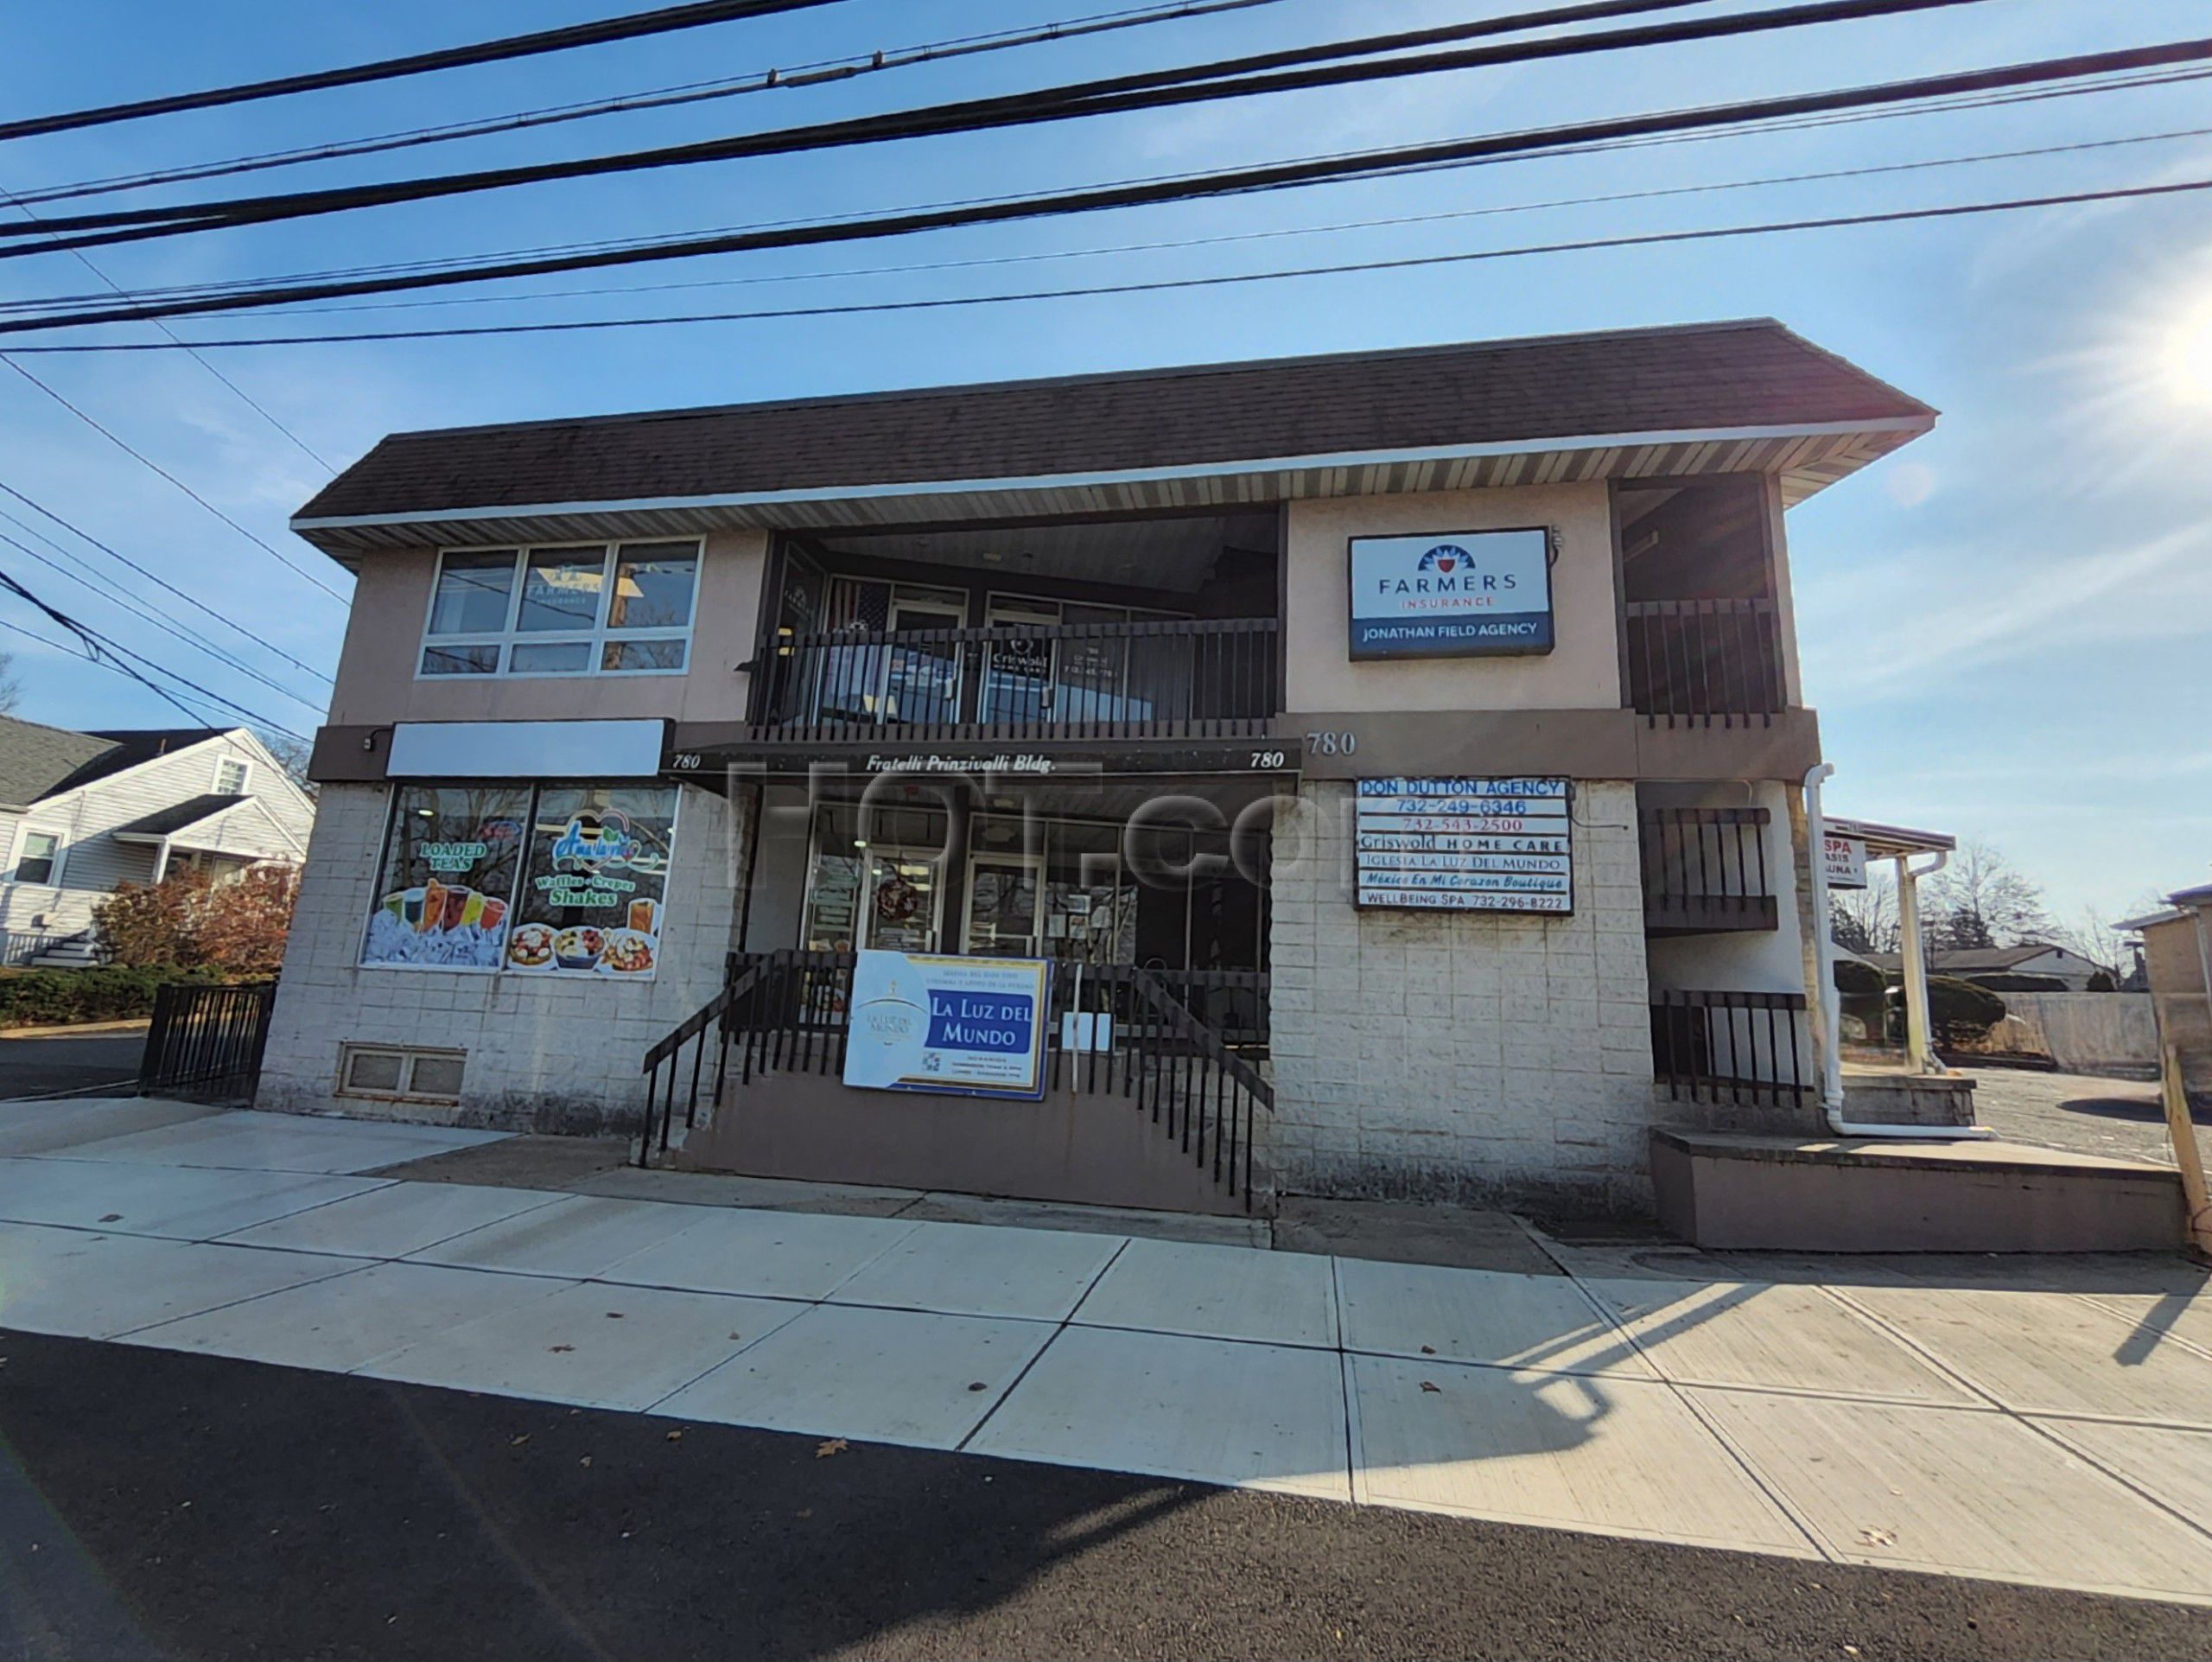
[[1721, 1189]]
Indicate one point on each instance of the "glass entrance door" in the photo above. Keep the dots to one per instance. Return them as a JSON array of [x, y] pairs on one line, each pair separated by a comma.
[[1002, 905], [903, 902]]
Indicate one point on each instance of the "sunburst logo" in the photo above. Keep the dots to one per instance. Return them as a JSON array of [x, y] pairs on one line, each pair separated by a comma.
[[1444, 558]]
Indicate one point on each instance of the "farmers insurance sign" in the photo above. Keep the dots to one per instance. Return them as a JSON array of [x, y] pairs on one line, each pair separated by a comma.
[[972, 1025], [1462, 594]]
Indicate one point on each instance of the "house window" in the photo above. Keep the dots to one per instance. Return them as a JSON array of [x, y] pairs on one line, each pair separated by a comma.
[[41, 853], [408, 1076], [622, 609], [230, 775]]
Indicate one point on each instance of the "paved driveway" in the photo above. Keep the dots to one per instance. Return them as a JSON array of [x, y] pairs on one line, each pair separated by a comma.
[[2045, 1424], [2120, 1119]]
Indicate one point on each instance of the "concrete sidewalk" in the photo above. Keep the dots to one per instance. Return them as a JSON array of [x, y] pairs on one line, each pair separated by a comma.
[[2040, 1433]]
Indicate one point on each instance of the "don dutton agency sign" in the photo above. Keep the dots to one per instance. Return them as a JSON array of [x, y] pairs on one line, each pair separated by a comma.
[[1465, 594]]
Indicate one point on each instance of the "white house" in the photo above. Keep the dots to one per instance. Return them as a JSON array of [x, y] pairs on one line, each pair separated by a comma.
[[81, 814], [2027, 958]]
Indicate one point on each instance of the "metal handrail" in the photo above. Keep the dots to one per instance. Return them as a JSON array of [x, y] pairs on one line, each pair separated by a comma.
[[785, 1011]]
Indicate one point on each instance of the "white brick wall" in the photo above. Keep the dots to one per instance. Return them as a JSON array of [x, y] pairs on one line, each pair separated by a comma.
[[1443, 1055], [541, 1054]]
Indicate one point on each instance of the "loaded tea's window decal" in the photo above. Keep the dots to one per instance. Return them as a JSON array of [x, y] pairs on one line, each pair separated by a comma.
[[565, 881], [1465, 844], [594, 882], [448, 877], [1461, 595]]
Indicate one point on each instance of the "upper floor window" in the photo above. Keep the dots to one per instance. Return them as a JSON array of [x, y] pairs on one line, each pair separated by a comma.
[[621, 608], [35, 862], [230, 775]]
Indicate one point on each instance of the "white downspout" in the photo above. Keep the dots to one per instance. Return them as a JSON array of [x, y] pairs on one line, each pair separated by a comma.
[[1824, 987], [1816, 836]]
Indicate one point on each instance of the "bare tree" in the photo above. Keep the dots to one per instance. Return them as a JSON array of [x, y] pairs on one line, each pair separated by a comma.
[[11, 689], [2092, 936], [1866, 920], [1980, 899], [291, 756]]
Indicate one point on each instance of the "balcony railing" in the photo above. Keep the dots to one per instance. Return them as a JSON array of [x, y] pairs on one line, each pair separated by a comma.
[[1705, 871], [1701, 660], [1176, 679], [1730, 1047]]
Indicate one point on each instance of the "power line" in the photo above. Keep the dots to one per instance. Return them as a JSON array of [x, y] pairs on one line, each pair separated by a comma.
[[1316, 67], [626, 28], [247, 398], [105, 589], [1158, 285], [154, 466], [159, 582], [801, 75], [49, 640], [1757, 127], [101, 650], [1227, 181], [1169, 244]]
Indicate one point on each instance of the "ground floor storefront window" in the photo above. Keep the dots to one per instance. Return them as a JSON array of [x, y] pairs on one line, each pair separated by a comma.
[[1006, 884], [552, 880]]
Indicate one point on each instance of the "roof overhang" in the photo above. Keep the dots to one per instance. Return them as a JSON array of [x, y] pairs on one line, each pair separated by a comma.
[[2151, 920], [1805, 459], [1890, 842]]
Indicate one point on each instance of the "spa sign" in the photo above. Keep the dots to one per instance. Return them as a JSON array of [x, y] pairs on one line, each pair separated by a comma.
[[1468, 593], [971, 1025], [1465, 844]]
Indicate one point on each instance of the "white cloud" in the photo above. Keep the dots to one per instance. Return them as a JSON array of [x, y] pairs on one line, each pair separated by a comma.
[[1902, 639]]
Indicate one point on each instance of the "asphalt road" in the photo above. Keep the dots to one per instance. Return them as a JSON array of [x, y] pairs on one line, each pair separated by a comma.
[[156, 1505], [31, 1068], [2120, 1119]]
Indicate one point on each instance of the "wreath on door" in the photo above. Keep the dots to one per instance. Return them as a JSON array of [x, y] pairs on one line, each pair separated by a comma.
[[896, 899]]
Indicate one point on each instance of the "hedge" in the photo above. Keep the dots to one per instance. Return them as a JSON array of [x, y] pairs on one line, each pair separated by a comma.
[[105, 993]]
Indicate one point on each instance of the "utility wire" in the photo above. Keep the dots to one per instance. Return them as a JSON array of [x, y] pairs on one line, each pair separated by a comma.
[[121, 658], [1317, 67], [1159, 286], [1267, 177], [1756, 128], [49, 640], [245, 397], [159, 582], [104, 588], [153, 466], [629, 27], [1170, 245], [764, 80]]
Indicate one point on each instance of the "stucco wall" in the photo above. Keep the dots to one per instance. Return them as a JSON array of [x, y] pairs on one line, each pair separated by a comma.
[[1470, 1056], [1582, 672], [541, 1053], [377, 682]]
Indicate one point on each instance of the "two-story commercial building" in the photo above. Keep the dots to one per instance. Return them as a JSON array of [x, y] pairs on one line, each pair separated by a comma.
[[1394, 759]]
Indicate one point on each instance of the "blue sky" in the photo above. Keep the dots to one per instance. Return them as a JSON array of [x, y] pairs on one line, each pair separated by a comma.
[[2005, 627]]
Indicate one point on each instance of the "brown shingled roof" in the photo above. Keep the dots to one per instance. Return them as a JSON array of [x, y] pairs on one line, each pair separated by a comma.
[[1698, 378]]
